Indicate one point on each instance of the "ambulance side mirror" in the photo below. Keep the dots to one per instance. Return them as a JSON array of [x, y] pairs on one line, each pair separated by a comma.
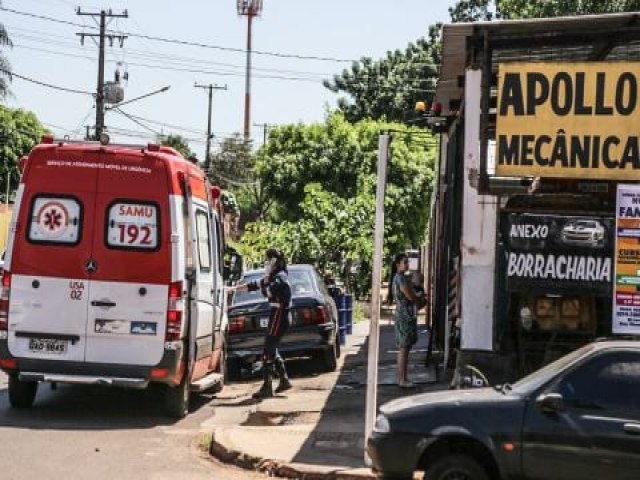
[[233, 270]]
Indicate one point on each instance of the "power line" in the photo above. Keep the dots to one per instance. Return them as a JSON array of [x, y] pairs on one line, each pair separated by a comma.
[[44, 84], [45, 38], [233, 74], [185, 42]]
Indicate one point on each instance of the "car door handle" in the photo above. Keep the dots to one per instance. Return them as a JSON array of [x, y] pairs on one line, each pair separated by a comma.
[[101, 303], [632, 428]]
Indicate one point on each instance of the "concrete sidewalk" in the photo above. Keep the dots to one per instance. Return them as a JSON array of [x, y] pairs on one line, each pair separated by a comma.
[[315, 430]]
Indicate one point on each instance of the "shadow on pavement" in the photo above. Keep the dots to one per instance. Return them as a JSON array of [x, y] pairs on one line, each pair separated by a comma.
[[338, 438], [72, 407]]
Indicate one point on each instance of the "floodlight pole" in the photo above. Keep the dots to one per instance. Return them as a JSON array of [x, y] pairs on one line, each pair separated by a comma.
[[250, 9]]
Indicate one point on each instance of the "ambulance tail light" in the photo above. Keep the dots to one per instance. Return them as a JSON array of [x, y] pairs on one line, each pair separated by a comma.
[[175, 310], [5, 289]]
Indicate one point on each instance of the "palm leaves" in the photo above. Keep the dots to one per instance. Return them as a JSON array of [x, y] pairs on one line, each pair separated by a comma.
[[5, 67]]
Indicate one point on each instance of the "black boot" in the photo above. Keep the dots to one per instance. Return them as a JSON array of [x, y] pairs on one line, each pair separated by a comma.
[[266, 391], [284, 384]]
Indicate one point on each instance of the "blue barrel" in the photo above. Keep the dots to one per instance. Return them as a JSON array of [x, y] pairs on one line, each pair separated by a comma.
[[342, 318], [348, 307]]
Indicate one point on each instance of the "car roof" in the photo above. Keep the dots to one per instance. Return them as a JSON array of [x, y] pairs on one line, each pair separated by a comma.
[[609, 343], [294, 267]]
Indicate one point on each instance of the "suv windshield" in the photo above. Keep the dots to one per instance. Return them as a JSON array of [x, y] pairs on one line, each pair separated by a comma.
[[300, 281], [535, 380]]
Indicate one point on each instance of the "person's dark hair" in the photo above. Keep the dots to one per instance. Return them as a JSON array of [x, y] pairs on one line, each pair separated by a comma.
[[281, 261], [394, 269]]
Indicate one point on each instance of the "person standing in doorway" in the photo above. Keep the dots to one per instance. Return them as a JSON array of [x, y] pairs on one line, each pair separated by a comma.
[[406, 321], [275, 286]]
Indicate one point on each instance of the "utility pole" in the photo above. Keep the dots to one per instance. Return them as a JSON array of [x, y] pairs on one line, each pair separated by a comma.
[[250, 9], [211, 88], [103, 14], [265, 131]]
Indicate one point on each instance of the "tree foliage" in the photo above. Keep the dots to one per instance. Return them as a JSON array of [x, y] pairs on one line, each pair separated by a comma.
[[19, 132], [390, 87], [514, 9], [232, 168], [322, 179], [180, 144], [475, 10], [5, 66]]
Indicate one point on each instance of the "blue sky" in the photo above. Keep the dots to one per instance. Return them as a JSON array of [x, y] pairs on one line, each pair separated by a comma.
[[339, 29]]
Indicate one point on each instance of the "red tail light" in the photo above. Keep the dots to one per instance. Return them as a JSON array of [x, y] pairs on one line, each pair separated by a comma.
[[237, 324], [175, 308], [315, 316], [5, 290]]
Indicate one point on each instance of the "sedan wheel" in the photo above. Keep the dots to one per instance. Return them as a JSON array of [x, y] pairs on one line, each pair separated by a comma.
[[456, 467]]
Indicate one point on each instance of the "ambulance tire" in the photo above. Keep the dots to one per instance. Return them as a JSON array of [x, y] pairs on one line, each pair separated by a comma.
[[21, 394], [176, 399]]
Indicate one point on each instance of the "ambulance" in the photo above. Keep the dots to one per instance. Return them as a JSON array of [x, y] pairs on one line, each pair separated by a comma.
[[113, 273]]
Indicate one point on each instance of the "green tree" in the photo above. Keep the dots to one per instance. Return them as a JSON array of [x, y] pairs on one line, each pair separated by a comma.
[[19, 132], [5, 66], [322, 180], [179, 143], [475, 10], [390, 87], [471, 11], [233, 168], [515, 9]]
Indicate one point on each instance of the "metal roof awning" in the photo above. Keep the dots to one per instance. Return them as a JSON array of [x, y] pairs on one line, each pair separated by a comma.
[[580, 38]]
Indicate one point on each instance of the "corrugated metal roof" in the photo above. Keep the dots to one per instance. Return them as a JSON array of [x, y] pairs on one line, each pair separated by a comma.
[[592, 37]]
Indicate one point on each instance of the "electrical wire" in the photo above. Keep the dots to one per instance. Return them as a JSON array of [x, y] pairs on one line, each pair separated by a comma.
[[164, 57], [185, 42], [402, 86], [44, 84], [136, 121]]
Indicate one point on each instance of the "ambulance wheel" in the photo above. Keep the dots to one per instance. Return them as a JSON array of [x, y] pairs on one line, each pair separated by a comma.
[[21, 394], [176, 399]]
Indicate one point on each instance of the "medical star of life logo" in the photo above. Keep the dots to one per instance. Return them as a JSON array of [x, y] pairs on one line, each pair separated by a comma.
[[52, 219]]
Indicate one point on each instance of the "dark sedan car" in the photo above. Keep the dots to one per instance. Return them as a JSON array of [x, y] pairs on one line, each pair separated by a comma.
[[576, 419], [313, 331]]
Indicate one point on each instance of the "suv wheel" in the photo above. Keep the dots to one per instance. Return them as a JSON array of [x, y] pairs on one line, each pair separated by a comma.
[[21, 394], [456, 467]]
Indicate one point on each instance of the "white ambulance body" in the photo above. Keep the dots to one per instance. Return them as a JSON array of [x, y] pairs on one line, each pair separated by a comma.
[[113, 273]]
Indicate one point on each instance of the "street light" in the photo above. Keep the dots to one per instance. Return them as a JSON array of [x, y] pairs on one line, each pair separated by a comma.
[[118, 105], [250, 9]]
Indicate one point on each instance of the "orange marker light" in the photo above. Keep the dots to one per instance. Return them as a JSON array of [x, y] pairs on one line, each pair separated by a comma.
[[508, 447]]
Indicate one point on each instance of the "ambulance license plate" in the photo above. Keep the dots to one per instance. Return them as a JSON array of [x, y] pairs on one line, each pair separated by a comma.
[[47, 345], [264, 322]]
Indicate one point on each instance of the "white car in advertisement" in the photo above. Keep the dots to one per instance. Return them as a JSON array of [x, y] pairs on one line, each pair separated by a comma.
[[583, 232]]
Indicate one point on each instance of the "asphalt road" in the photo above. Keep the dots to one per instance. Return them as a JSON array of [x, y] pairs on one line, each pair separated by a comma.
[[100, 433]]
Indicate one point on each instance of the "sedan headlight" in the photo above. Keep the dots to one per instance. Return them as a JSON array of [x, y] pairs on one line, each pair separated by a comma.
[[381, 425]]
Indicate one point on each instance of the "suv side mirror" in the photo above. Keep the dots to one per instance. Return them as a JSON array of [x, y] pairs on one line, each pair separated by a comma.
[[550, 402]]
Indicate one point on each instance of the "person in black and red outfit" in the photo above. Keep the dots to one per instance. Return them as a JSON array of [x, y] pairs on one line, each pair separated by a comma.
[[275, 286]]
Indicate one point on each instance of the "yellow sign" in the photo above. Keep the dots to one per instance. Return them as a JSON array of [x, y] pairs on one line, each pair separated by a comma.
[[569, 120]]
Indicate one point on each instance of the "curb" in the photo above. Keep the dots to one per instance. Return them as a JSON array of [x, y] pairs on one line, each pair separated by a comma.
[[276, 468]]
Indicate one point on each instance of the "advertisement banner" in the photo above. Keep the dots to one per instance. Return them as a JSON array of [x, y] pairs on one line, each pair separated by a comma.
[[626, 298], [558, 254], [568, 120]]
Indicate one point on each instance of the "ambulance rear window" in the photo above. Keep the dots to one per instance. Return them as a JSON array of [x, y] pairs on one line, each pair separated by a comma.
[[133, 225], [56, 220]]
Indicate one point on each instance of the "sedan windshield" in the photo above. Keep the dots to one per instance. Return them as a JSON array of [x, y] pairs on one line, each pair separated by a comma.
[[535, 380], [300, 281]]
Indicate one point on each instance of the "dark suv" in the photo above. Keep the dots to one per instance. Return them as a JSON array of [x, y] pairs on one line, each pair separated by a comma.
[[576, 419]]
